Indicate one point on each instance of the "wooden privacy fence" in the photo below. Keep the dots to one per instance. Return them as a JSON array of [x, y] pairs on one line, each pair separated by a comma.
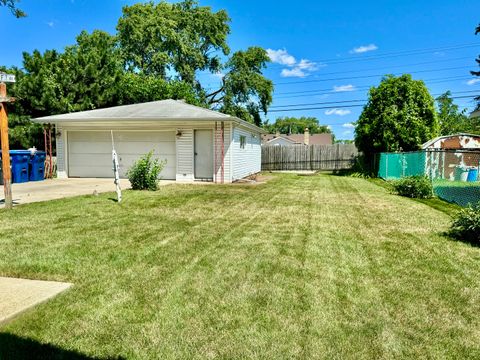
[[309, 157]]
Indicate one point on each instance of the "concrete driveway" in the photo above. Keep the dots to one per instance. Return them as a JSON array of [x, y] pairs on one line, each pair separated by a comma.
[[61, 188], [36, 191]]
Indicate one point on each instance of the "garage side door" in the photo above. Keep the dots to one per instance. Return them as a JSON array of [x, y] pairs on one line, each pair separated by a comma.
[[90, 152]]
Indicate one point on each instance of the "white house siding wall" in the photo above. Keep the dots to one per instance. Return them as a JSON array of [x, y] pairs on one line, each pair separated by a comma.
[[185, 156], [61, 153], [238, 162], [246, 161], [227, 175]]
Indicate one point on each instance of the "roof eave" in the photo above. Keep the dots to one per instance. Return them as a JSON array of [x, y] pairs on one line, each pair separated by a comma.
[[49, 120], [248, 125]]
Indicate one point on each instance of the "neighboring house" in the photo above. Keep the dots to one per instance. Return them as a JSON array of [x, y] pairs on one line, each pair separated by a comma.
[[454, 142], [297, 139], [197, 143]]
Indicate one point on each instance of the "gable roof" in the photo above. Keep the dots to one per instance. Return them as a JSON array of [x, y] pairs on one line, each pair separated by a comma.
[[154, 110], [315, 139], [162, 110], [276, 138]]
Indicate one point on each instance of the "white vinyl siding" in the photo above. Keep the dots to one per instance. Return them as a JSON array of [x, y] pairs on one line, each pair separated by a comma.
[[90, 152], [185, 155], [61, 153], [247, 160], [84, 150], [227, 155]]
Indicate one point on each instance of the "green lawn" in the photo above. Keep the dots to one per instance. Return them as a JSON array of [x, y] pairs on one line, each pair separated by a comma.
[[300, 267]]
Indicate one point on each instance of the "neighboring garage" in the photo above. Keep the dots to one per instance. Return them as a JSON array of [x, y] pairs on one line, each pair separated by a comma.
[[196, 143]]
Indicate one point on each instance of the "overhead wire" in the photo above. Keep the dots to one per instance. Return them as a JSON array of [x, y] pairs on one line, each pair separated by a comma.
[[358, 88], [344, 106], [363, 100]]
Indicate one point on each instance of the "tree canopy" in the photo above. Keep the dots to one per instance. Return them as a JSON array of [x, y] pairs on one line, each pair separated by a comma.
[[157, 53], [176, 41], [12, 6], [399, 115], [451, 119], [245, 92], [294, 125], [179, 39]]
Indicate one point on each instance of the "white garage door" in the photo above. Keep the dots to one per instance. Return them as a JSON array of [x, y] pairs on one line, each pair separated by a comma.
[[90, 152]]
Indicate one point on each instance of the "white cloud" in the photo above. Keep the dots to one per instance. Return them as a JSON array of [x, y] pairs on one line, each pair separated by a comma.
[[295, 72], [305, 64], [339, 112], [294, 68], [347, 132], [473, 81], [364, 49], [50, 24], [281, 56], [342, 88], [348, 126]]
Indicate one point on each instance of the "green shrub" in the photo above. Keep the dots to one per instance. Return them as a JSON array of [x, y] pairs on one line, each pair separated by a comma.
[[418, 187], [466, 224], [144, 173]]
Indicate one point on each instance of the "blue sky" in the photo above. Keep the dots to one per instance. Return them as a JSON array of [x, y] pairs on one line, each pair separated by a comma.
[[325, 52]]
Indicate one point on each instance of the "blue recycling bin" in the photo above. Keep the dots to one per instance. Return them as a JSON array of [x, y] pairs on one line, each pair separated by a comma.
[[36, 171], [19, 162], [472, 175]]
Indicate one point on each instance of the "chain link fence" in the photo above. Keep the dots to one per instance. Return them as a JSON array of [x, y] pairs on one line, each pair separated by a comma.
[[455, 174]]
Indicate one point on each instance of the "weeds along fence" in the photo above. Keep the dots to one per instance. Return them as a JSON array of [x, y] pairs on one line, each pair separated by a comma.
[[309, 157], [454, 173]]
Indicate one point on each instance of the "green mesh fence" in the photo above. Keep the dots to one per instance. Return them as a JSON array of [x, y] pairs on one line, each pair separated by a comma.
[[455, 174]]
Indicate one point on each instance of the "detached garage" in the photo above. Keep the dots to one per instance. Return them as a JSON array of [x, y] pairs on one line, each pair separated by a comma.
[[197, 143]]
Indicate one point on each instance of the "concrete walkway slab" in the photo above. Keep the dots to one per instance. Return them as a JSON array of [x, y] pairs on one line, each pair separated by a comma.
[[19, 295]]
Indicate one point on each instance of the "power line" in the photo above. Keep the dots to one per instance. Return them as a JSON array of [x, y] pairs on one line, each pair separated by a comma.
[[359, 88], [346, 106], [363, 100], [398, 66], [387, 55], [370, 76]]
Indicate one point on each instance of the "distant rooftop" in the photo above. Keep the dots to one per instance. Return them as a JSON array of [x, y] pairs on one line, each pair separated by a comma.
[[315, 139]]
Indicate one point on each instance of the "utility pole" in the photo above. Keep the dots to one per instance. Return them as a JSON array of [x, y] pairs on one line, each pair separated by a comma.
[[7, 175]]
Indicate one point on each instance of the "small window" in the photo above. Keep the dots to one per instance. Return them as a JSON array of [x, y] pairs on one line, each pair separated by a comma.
[[243, 141]]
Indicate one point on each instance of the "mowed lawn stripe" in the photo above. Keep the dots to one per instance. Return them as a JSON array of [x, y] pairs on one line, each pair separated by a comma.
[[300, 267]]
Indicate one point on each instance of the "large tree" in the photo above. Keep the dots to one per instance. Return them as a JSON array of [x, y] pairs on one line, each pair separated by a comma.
[[399, 115], [85, 76], [297, 125], [177, 41], [244, 92], [451, 119], [12, 6], [156, 54]]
